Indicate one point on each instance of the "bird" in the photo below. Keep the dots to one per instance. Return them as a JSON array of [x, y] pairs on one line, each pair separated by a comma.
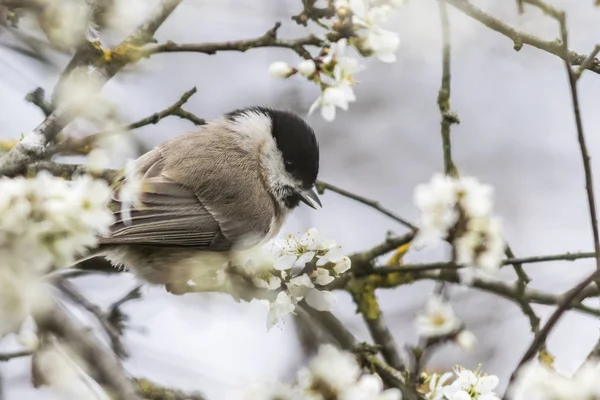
[[226, 186]]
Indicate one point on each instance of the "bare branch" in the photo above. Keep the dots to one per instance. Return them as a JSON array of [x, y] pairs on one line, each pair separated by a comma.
[[32, 147], [107, 369], [520, 38], [82, 146], [269, 39], [102, 317], [16, 354], [448, 118], [573, 296]]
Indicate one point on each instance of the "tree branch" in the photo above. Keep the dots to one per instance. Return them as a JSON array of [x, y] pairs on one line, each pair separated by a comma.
[[269, 39], [102, 317], [82, 146], [105, 365], [574, 296], [32, 147], [520, 38], [448, 118]]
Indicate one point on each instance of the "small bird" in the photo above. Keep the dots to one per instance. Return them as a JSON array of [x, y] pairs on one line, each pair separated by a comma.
[[226, 186]]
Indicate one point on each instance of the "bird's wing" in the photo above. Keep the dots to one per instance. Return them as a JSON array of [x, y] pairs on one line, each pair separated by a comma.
[[169, 214]]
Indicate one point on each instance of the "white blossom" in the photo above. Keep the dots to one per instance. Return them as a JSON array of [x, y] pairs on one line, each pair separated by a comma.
[[47, 221], [28, 339], [322, 277], [382, 42], [460, 209], [333, 96], [471, 385], [436, 201], [466, 340], [279, 308], [480, 248], [436, 386], [307, 68], [337, 370], [438, 319], [370, 387], [281, 70], [270, 282], [538, 381]]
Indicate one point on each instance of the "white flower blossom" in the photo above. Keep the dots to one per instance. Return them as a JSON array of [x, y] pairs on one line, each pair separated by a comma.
[[279, 308], [333, 96], [480, 248], [47, 221], [337, 370], [460, 209], [382, 42], [471, 385], [370, 387], [307, 68], [281, 70], [270, 282], [322, 277], [537, 381], [436, 201], [436, 386], [438, 319]]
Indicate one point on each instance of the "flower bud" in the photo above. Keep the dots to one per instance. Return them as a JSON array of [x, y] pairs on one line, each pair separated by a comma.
[[307, 68], [280, 70]]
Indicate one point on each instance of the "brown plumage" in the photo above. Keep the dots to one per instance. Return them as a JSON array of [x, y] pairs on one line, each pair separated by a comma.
[[225, 186]]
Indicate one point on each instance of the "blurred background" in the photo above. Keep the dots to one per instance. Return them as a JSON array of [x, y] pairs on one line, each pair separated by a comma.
[[517, 132]]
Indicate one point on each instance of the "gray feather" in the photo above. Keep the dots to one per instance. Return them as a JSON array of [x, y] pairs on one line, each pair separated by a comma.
[[199, 192]]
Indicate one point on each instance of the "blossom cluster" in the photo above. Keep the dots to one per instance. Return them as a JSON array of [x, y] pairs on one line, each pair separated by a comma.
[[538, 381], [460, 210], [45, 223], [296, 269], [333, 70], [467, 385], [332, 374]]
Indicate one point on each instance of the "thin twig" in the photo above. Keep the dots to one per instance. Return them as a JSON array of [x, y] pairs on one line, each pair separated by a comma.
[[365, 298], [573, 296], [16, 354], [322, 186], [32, 147], [105, 366], [589, 179], [510, 261], [115, 338], [448, 118], [82, 145], [269, 39], [520, 38], [589, 59]]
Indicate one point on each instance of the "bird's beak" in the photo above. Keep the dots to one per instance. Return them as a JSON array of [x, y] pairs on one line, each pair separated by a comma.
[[310, 198]]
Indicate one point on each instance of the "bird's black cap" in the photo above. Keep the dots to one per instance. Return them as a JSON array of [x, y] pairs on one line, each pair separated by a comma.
[[295, 139]]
